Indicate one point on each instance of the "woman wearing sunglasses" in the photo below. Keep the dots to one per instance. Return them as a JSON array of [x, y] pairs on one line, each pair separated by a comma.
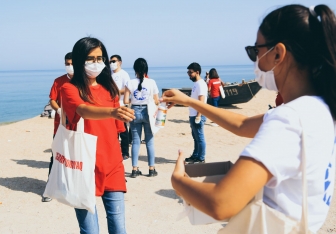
[[295, 54], [94, 96]]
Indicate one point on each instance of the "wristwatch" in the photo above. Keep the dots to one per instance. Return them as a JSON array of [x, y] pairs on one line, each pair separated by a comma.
[[126, 105]]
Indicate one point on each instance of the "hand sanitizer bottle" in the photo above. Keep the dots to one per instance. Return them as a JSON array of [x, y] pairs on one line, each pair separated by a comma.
[[161, 115]]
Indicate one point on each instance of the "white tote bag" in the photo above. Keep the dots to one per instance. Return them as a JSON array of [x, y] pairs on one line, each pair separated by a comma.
[[257, 217], [221, 90], [152, 112], [72, 179]]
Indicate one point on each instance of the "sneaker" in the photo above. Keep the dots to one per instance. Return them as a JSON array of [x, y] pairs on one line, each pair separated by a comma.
[[135, 173], [190, 159], [46, 199], [125, 157], [152, 173], [199, 161]]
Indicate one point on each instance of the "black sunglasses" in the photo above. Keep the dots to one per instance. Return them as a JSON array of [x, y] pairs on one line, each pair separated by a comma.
[[113, 61], [252, 51]]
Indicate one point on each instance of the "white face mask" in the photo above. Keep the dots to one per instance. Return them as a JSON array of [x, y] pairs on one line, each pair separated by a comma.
[[94, 69], [69, 69], [114, 66], [265, 79]]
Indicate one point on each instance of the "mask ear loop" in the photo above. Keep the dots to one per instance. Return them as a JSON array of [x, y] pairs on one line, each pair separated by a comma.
[[258, 59], [266, 53]]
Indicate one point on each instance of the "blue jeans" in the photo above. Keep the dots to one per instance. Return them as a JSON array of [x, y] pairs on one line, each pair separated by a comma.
[[142, 120], [215, 101], [115, 214], [197, 131]]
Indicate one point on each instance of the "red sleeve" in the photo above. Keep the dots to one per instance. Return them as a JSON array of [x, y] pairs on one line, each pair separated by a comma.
[[70, 101], [120, 126], [53, 91]]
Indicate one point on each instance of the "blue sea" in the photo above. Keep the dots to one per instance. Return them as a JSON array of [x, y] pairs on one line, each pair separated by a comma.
[[23, 94]]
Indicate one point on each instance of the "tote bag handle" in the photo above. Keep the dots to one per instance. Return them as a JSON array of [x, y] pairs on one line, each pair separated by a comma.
[[304, 213], [80, 123]]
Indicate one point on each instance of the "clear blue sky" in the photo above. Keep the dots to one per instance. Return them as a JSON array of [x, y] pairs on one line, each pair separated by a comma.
[[36, 34]]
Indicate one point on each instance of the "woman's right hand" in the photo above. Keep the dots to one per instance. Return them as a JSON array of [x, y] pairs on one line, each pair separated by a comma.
[[174, 96], [123, 113]]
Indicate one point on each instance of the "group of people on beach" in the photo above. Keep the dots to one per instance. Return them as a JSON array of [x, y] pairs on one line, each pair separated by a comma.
[[294, 54]]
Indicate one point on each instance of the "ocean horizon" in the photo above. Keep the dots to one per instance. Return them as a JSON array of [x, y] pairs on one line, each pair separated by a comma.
[[24, 93]]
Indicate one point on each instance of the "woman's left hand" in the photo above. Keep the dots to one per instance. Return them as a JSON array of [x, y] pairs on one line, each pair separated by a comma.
[[179, 171]]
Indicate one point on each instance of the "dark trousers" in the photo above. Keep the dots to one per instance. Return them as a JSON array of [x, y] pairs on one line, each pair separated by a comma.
[[125, 140], [51, 163], [51, 159]]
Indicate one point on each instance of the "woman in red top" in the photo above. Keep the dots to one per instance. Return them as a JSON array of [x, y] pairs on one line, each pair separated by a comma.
[[93, 95], [213, 86]]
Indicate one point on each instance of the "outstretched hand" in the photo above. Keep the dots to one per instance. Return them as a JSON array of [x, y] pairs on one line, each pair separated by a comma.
[[123, 113], [179, 171], [174, 96]]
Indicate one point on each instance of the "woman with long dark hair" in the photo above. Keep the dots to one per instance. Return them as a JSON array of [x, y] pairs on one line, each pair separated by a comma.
[[295, 54], [142, 91], [93, 96]]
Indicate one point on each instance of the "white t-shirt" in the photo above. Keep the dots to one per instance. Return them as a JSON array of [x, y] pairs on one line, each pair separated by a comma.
[[149, 87], [199, 89], [120, 78], [278, 146]]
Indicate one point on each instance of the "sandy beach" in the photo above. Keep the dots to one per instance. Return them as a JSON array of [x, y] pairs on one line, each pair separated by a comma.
[[151, 204]]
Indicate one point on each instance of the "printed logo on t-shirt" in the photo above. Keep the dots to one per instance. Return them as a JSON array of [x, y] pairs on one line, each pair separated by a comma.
[[193, 89], [141, 95], [116, 78], [327, 187], [328, 178]]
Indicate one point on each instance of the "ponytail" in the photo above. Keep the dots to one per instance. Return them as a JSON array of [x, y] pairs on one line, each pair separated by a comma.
[[310, 35], [141, 69], [325, 80], [141, 77]]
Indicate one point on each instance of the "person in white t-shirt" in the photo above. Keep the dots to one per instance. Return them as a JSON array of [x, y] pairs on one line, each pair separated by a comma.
[[294, 54], [142, 91], [199, 92], [121, 77]]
